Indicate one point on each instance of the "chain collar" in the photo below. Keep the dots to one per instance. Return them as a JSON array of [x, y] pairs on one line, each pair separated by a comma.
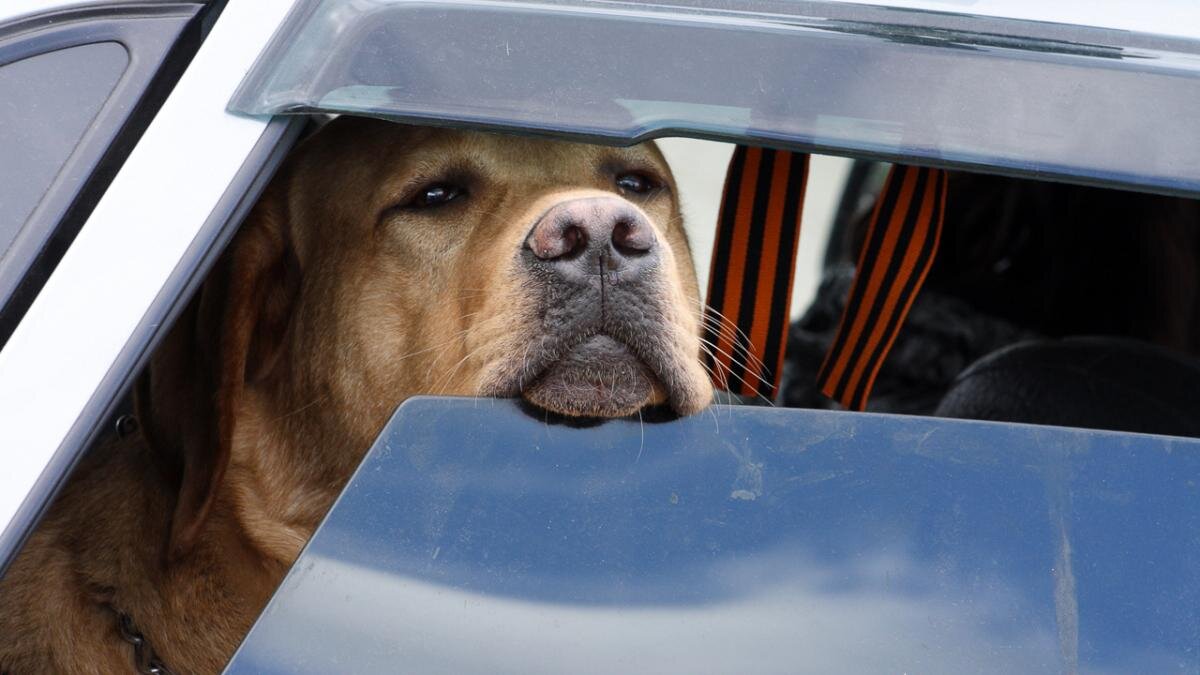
[[144, 659]]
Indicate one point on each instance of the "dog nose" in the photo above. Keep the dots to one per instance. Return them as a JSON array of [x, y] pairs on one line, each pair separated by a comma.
[[583, 236]]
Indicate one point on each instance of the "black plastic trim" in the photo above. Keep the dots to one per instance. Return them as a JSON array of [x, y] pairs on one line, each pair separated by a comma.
[[161, 39]]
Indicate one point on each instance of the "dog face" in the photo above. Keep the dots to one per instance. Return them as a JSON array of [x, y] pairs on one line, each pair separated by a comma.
[[474, 264], [387, 261]]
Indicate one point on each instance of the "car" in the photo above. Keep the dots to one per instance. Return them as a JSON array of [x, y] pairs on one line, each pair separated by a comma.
[[475, 537]]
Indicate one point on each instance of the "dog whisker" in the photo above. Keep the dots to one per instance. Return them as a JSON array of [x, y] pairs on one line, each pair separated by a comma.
[[753, 375], [445, 381], [748, 383], [731, 334], [737, 338], [713, 374], [642, 429], [456, 338], [306, 406], [741, 353]]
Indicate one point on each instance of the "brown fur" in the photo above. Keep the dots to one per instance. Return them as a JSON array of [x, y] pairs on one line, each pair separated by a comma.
[[329, 308]]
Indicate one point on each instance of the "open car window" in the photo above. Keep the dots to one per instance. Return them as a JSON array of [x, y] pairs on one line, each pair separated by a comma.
[[478, 537]]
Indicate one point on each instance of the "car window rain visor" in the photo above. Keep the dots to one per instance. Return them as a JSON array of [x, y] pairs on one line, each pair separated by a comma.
[[1028, 98]]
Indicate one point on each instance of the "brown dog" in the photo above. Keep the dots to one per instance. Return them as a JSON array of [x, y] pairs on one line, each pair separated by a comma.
[[382, 262]]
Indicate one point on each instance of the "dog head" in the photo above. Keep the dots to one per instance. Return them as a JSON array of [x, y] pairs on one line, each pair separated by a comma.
[[387, 261]]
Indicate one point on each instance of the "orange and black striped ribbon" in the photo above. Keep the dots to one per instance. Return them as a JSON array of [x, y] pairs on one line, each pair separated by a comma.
[[896, 255], [753, 262]]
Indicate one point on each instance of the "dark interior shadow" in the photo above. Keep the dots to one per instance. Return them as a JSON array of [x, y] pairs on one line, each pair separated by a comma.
[[655, 414]]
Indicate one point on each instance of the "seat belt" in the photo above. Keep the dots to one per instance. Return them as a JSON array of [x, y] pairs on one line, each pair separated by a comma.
[[754, 261], [896, 255]]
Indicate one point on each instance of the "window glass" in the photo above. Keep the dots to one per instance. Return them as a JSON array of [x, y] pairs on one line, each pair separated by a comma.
[[47, 104], [478, 538]]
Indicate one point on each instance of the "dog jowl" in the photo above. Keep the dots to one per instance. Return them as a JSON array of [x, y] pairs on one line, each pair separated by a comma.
[[554, 271]]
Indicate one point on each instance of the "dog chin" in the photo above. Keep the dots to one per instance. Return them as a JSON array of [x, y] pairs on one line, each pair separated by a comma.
[[599, 378]]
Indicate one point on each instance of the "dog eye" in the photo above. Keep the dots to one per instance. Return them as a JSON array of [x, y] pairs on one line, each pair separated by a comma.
[[436, 195], [636, 183]]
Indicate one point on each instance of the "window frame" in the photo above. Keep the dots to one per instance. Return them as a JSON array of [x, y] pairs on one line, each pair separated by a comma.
[[157, 39], [196, 169]]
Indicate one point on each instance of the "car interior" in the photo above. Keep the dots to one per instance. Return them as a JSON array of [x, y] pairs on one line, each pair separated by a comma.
[[1047, 303]]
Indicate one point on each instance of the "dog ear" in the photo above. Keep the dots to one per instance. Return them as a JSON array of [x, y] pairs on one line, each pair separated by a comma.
[[230, 334]]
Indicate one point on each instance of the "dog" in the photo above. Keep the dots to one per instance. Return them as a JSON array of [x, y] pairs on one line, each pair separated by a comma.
[[382, 261]]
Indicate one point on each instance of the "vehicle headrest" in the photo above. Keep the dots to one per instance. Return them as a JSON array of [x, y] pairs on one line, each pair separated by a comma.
[[1110, 383]]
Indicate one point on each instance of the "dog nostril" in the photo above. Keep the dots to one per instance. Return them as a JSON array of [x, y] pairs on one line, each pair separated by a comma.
[[557, 240], [574, 240], [632, 239]]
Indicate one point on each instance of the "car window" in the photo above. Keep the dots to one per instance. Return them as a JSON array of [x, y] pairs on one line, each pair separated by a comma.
[[47, 103], [78, 85], [479, 538]]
